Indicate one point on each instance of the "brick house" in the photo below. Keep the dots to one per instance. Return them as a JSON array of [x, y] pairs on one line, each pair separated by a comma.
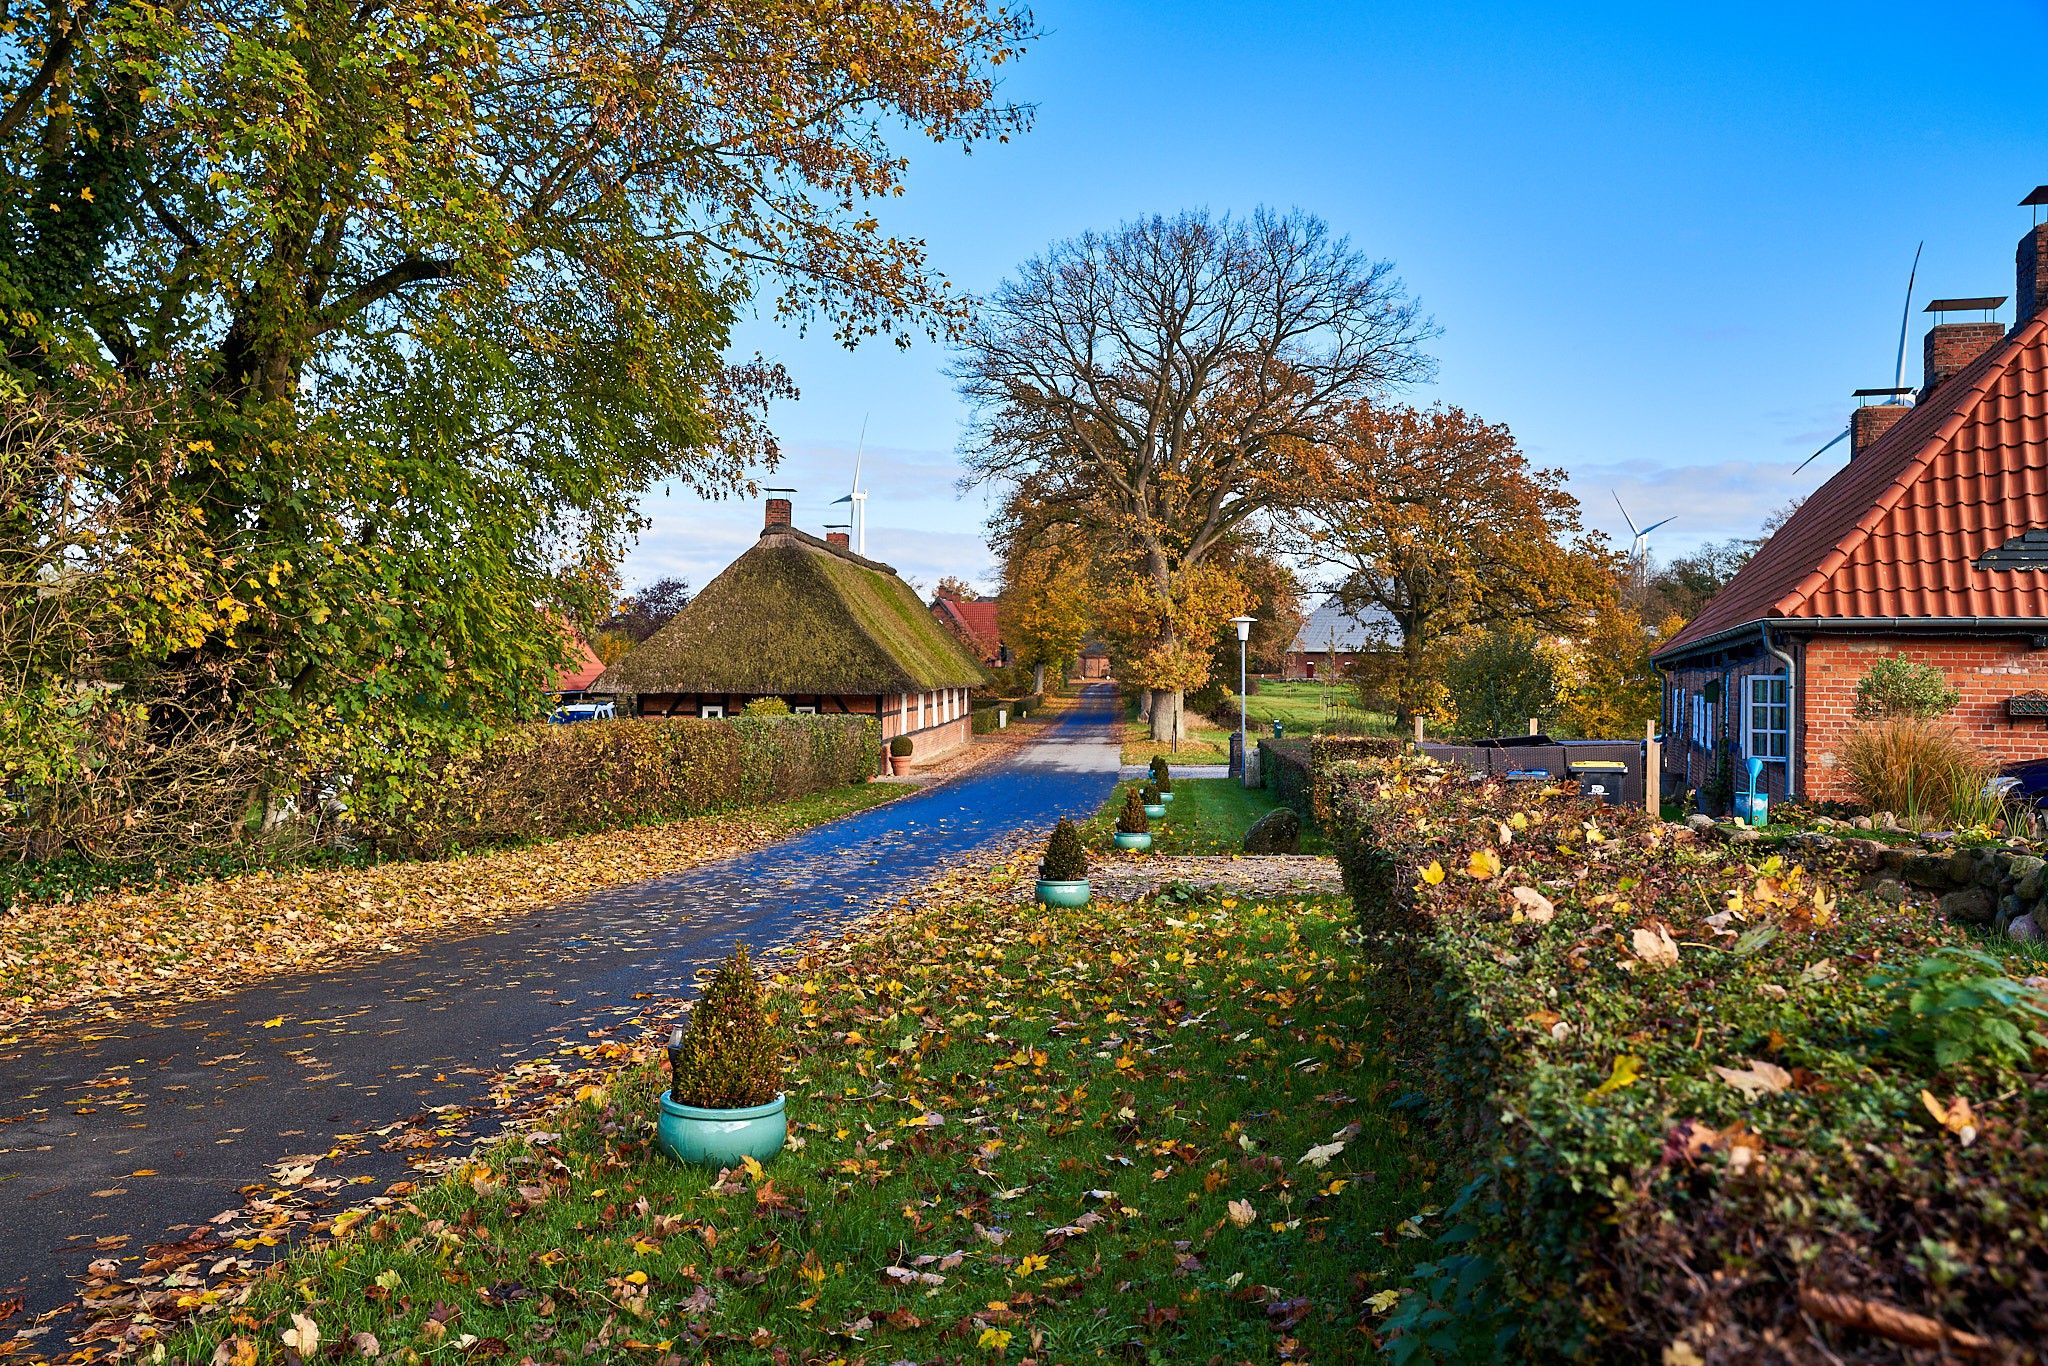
[[1332, 639], [1920, 546], [976, 624], [812, 623]]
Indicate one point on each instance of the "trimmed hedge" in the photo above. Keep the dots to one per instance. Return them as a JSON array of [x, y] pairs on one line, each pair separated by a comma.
[[1284, 772], [1628, 1200], [544, 781]]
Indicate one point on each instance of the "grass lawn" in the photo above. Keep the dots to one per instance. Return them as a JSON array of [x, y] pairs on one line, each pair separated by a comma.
[[1206, 743], [1159, 1132], [1206, 816], [1299, 706]]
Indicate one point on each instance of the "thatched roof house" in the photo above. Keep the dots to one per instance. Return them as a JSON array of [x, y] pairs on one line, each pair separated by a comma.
[[810, 622]]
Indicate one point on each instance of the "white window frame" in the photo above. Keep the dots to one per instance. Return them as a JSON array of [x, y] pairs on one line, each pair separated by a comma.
[[711, 711], [806, 710], [1766, 692], [1702, 722]]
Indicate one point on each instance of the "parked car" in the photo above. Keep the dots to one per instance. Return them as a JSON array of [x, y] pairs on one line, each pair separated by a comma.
[[570, 713]]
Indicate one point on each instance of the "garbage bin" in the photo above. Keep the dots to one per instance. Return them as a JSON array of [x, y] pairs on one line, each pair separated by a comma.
[[1601, 778]]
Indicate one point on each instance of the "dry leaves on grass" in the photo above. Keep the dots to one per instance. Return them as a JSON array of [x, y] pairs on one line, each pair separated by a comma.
[[201, 938]]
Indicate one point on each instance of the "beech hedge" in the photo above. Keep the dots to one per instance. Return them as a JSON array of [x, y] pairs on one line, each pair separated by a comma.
[[545, 781], [1718, 1104]]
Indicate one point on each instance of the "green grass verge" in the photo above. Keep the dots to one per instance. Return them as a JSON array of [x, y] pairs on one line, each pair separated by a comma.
[[1207, 816], [1013, 1137]]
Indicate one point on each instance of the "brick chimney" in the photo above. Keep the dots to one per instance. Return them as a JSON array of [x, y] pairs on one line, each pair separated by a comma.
[[1951, 346], [1871, 421], [843, 540], [778, 513], [2030, 279]]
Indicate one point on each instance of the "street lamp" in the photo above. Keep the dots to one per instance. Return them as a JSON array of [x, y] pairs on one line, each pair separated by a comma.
[[1244, 748]]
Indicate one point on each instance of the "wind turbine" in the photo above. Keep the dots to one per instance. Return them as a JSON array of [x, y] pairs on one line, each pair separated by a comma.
[[1642, 534], [858, 497], [1898, 374]]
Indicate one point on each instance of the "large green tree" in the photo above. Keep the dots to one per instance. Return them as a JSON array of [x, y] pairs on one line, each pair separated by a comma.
[[430, 291]]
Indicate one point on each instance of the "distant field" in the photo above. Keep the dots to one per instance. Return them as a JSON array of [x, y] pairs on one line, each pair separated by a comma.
[[1307, 706]]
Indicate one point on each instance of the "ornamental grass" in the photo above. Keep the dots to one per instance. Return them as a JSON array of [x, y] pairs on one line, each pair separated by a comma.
[[1922, 769]]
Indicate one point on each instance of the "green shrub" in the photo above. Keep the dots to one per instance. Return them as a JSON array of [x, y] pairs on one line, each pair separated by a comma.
[[1959, 1003], [1158, 768], [1923, 770], [1150, 794], [902, 746], [1496, 680], [1897, 687], [1066, 858], [765, 706], [1681, 1101], [544, 781], [728, 1057], [1132, 820]]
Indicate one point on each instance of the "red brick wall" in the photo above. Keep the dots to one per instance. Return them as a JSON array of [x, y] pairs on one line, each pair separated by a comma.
[[1985, 671], [1949, 347]]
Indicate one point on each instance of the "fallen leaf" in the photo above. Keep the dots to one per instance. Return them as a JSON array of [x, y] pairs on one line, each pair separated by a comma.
[[1758, 1079], [1483, 864], [1655, 946], [1434, 873], [1957, 1117], [1534, 904], [1320, 1155], [1242, 1214], [1627, 1067], [303, 1336]]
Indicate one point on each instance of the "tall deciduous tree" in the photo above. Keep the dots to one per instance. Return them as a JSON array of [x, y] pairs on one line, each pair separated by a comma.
[[1157, 387], [438, 288], [1438, 517], [1046, 607]]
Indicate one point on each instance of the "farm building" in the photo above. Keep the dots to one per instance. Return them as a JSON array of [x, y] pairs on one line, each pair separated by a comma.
[[1923, 545], [975, 622], [812, 623], [1333, 639]]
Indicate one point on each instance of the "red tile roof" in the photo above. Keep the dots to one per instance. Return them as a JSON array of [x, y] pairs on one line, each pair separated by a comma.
[[975, 622], [1894, 533], [581, 674]]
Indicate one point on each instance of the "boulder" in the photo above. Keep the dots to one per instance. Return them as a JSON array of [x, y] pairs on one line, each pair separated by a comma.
[[1970, 905], [1962, 867], [1276, 832], [2025, 928], [1927, 870], [1700, 822], [2028, 876], [1888, 890], [1861, 822]]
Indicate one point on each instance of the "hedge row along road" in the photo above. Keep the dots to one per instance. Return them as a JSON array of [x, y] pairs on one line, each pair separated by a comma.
[[112, 1137]]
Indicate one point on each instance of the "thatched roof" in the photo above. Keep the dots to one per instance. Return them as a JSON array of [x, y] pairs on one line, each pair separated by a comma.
[[797, 615]]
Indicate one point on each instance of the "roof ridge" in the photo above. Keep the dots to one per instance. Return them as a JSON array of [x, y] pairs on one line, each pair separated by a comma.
[[1991, 369]]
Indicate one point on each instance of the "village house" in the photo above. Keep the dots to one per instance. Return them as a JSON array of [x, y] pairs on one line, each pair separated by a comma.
[[812, 623], [1332, 639], [976, 624], [1927, 544]]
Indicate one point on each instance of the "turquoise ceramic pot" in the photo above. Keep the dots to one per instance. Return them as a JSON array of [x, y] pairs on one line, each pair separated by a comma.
[[1126, 840], [1166, 796], [1063, 892], [720, 1138], [1156, 811]]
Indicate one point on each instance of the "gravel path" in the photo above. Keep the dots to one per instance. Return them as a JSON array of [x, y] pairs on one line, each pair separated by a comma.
[[109, 1131]]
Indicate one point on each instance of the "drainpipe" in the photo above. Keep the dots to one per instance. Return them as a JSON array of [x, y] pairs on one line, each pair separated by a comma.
[[1791, 707]]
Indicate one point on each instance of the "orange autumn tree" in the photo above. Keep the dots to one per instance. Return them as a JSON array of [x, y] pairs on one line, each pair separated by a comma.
[[1155, 389], [1437, 517], [1045, 607]]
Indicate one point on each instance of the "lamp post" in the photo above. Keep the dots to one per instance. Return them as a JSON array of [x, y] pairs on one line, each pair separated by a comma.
[[1244, 743]]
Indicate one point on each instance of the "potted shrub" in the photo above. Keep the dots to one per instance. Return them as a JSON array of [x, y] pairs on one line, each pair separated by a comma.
[[1153, 798], [1133, 830], [1063, 873], [899, 754], [1161, 778], [725, 1099]]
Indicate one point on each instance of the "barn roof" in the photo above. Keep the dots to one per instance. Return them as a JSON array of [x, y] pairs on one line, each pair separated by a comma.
[[1370, 628], [975, 622], [797, 615], [1895, 536]]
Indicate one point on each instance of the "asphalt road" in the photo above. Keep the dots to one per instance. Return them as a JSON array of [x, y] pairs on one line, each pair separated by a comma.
[[141, 1128]]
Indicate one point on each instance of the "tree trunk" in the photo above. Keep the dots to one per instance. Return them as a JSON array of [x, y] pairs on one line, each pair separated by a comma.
[[1038, 678], [1169, 719]]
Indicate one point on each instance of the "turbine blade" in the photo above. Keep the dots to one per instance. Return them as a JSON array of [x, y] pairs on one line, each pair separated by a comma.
[[1906, 318], [1841, 437], [1654, 525], [858, 449], [1624, 514]]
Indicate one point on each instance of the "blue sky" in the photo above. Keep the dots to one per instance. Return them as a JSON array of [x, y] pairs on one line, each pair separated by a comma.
[[1663, 243]]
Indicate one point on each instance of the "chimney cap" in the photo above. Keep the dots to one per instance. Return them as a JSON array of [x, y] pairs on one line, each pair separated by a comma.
[[1880, 393], [777, 490], [1965, 305], [2037, 198]]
